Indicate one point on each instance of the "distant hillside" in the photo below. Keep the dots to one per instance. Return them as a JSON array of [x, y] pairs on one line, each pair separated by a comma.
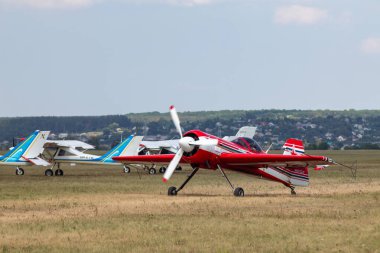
[[319, 129]]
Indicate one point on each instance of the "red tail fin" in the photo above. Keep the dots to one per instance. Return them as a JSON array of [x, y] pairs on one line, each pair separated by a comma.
[[293, 147]]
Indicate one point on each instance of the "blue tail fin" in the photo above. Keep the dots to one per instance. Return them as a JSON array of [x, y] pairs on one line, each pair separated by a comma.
[[30, 147], [116, 151]]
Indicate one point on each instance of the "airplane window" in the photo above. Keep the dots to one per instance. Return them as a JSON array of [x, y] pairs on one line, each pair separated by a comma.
[[65, 153], [249, 144]]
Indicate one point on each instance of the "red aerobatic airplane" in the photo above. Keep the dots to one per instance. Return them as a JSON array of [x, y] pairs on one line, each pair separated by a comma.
[[202, 150]]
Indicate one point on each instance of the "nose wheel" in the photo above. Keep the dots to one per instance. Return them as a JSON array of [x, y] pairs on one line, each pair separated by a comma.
[[59, 172]]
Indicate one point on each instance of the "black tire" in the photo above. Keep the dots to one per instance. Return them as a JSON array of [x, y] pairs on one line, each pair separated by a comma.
[[179, 168], [239, 192], [152, 171], [162, 170], [19, 172], [49, 173], [127, 169], [172, 191], [59, 172]]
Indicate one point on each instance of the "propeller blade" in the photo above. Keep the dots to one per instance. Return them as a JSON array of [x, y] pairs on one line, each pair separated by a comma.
[[174, 115], [173, 165], [204, 142]]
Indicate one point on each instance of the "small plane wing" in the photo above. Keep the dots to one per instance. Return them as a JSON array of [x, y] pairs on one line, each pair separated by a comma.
[[37, 161], [272, 160], [161, 144], [67, 144], [145, 159]]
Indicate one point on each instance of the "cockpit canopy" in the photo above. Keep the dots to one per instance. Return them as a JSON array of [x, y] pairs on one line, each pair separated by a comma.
[[248, 143]]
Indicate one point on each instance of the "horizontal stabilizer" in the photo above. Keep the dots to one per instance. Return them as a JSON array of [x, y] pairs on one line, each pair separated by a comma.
[[37, 161]]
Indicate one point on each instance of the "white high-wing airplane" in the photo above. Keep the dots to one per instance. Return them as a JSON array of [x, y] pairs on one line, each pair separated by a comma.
[[68, 151], [27, 152]]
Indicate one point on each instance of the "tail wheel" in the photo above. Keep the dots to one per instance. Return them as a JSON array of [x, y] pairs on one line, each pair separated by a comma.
[[239, 192]]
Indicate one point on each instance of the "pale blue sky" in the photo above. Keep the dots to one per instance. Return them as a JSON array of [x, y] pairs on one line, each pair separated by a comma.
[[94, 57]]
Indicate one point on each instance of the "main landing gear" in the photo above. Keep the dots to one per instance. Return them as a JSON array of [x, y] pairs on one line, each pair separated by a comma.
[[152, 171], [172, 191], [57, 172], [163, 169], [292, 190], [127, 169], [238, 192], [19, 171]]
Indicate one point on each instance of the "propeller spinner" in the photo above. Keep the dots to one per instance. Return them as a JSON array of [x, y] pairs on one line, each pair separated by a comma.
[[186, 144]]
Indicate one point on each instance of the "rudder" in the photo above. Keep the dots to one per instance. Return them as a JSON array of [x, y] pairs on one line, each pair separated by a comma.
[[31, 147], [293, 147], [128, 147]]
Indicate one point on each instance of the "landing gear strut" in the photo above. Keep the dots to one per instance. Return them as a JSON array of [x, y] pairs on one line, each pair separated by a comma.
[[238, 191], [172, 191], [19, 171], [292, 190]]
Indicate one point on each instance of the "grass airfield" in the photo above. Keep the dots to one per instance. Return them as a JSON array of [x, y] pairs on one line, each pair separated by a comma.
[[95, 209]]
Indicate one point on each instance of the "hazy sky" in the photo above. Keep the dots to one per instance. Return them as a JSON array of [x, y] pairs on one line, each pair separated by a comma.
[[93, 57]]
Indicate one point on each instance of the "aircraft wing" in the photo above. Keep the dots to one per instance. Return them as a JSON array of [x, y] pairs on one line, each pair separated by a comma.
[[272, 160], [160, 144], [67, 144], [146, 159], [37, 161]]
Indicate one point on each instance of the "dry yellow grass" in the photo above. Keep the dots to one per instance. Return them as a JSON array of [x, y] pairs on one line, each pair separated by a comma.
[[102, 210]]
